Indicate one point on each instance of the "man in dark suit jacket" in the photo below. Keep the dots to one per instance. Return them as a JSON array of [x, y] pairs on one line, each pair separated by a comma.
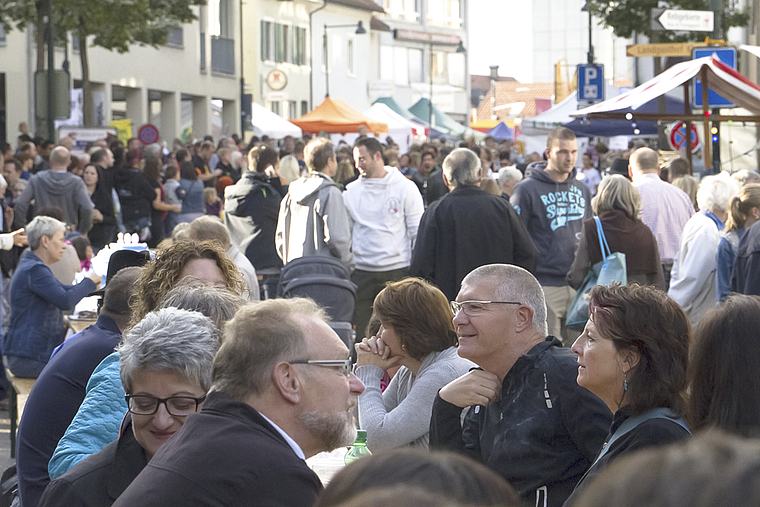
[[468, 228], [282, 392]]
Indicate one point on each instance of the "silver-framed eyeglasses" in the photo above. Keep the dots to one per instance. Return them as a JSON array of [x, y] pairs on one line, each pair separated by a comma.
[[473, 308], [344, 365], [178, 406]]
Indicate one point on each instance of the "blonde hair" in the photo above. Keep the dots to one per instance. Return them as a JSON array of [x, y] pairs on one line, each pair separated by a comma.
[[690, 185], [740, 206], [617, 193]]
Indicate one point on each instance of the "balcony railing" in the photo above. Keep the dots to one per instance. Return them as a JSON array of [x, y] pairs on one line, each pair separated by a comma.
[[222, 55]]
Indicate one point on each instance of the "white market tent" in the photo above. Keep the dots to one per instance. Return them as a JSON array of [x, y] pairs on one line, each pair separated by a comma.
[[714, 75], [401, 130], [266, 122]]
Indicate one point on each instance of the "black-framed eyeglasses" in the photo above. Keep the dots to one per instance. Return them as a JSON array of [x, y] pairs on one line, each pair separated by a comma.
[[344, 365], [178, 406], [474, 308]]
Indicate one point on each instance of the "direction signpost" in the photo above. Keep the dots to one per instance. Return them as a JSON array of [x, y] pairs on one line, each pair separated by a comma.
[[682, 21]]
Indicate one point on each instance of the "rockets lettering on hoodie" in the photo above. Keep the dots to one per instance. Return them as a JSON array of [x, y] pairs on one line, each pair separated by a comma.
[[564, 206]]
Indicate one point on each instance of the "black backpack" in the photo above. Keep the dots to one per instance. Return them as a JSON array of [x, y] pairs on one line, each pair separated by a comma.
[[327, 281]]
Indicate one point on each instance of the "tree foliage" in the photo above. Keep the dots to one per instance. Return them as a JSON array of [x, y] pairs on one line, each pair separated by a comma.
[[628, 16], [113, 24]]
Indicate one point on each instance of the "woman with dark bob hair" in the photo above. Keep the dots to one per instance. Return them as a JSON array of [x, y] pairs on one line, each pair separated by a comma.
[[417, 333], [723, 374], [450, 476], [633, 355]]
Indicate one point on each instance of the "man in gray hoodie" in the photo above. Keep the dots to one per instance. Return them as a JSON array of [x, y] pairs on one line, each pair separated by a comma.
[[553, 204], [313, 218], [60, 188]]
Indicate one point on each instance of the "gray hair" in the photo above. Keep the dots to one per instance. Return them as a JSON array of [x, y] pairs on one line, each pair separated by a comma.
[[617, 193], [260, 335], [170, 339], [152, 150], [194, 294], [289, 168], [42, 226], [514, 283], [462, 167], [509, 174], [715, 192]]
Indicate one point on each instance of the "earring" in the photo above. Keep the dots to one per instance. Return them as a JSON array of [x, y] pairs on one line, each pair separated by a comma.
[[625, 381]]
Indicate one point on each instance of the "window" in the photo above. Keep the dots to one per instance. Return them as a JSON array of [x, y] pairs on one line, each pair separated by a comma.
[[456, 70], [219, 18], [267, 37], [299, 46], [403, 9], [439, 67], [283, 43], [304, 107], [400, 66], [444, 13], [279, 43], [292, 109], [275, 106], [350, 57], [386, 63], [2, 35], [416, 73]]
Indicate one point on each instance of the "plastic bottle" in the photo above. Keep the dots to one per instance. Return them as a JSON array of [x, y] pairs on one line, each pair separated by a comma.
[[359, 449]]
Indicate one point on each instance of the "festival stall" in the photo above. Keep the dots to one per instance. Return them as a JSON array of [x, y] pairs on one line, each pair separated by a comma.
[[266, 122]]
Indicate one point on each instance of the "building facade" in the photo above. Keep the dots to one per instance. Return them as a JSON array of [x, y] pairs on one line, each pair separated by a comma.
[[422, 53], [197, 72]]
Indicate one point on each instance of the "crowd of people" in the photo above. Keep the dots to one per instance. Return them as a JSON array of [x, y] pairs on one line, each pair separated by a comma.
[[200, 384]]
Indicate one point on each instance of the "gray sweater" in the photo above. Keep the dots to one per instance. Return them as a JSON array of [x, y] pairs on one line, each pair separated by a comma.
[[401, 415], [62, 189]]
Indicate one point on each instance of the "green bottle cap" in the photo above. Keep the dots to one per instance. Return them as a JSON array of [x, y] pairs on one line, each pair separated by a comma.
[[361, 437]]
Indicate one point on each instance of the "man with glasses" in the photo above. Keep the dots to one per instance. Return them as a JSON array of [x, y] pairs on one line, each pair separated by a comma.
[[528, 419], [282, 392]]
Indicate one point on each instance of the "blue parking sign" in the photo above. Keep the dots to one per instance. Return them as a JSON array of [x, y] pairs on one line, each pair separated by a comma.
[[726, 55], [590, 83]]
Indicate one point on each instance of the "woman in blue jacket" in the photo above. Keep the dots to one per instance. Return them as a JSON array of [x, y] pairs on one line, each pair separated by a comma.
[[38, 300]]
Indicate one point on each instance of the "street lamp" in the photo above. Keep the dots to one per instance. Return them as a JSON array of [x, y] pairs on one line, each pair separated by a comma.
[[359, 31], [460, 49], [586, 7]]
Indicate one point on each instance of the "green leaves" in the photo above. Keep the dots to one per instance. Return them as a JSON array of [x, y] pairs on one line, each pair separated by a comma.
[[111, 24], [628, 16]]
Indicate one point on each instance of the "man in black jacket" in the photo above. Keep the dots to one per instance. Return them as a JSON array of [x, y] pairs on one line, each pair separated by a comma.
[[468, 228], [282, 392], [528, 419]]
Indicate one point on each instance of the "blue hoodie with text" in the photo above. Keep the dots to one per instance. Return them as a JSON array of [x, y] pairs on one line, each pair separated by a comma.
[[553, 213]]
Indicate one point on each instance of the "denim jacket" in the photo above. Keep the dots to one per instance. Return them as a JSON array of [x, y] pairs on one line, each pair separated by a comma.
[[37, 301]]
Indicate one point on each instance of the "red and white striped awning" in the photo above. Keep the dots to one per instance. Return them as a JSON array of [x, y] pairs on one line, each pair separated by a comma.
[[720, 78]]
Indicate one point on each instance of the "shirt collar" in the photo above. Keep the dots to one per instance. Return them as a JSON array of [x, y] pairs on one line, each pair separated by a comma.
[[292, 443]]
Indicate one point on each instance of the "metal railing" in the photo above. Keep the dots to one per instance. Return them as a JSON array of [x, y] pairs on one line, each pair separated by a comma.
[[222, 55]]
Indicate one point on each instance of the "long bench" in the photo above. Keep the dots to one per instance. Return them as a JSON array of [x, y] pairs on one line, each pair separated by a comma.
[[21, 389]]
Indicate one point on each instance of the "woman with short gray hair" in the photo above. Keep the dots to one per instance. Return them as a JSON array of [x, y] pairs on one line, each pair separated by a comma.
[[165, 367], [38, 300]]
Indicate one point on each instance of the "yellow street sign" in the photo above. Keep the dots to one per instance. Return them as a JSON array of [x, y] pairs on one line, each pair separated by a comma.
[[662, 49]]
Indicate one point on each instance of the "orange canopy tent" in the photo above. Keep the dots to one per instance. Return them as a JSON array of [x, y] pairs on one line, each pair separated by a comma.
[[334, 115]]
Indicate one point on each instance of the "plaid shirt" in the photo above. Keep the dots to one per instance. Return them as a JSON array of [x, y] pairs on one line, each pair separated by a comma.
[[665, 209]]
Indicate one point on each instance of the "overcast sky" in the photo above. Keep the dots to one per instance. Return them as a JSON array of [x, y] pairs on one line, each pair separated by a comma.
[[496, 27]]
